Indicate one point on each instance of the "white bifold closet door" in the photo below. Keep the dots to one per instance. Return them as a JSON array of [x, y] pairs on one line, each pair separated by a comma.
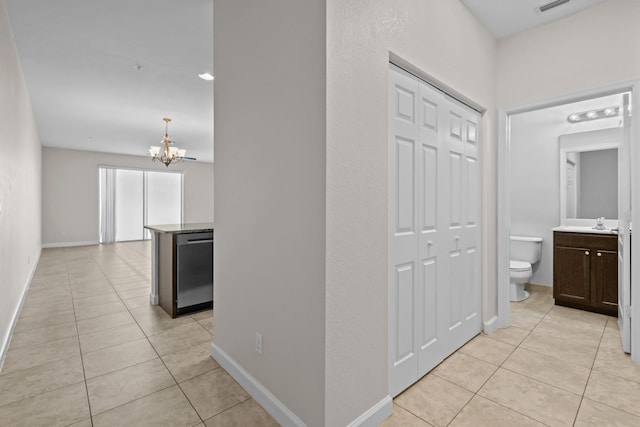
[[435, 201]]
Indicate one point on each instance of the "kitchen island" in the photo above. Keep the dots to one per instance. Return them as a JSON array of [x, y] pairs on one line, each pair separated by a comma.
[[182, 267]]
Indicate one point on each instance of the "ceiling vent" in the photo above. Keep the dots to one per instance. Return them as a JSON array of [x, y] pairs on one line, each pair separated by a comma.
[[553, 4]]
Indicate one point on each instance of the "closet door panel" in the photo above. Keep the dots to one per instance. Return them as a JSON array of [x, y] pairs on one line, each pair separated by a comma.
[[404, 278]]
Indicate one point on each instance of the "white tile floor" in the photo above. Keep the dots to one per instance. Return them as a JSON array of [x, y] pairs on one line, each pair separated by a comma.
[[554, 367], [88, 349]]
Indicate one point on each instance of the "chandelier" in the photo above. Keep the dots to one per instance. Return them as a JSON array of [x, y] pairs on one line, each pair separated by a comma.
[[166, 154]]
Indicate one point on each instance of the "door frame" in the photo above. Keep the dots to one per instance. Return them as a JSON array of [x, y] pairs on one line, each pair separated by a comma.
[[504, 215]]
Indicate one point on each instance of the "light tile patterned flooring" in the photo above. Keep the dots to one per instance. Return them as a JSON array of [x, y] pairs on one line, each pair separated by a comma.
[[88, 349], [554, 367]]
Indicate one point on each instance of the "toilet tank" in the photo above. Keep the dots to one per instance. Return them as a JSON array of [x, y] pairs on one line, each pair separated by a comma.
[[525, 248]]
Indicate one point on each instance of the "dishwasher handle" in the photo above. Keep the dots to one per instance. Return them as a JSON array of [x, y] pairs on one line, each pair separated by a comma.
[[192, 242]]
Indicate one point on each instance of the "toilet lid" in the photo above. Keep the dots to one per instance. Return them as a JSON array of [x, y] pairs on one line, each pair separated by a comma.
[[519, 265]]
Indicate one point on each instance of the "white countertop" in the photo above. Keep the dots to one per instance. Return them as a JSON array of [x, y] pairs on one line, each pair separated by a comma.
[[582, 229]]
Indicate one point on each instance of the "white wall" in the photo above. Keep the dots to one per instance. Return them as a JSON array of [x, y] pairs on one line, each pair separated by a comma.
[[19, 184], [535, 182], [442, 39], [70, 205], [270, 196], [592, 49]]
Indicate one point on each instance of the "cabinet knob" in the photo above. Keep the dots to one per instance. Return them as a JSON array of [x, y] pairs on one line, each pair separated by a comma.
[[586, 252], [599, 254]]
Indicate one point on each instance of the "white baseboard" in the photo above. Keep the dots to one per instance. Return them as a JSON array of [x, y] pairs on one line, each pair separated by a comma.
[[69, 244], [491, 325], [264, 397], [375, 415], [16, 314]]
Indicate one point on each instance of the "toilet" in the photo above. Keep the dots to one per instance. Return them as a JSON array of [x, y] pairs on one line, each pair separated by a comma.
[[524, 251]]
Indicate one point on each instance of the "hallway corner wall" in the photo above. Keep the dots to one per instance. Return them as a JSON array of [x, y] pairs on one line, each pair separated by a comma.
[[20, 185]]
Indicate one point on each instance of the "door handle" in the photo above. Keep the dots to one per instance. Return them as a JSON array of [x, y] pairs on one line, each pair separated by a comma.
[[586, 252]]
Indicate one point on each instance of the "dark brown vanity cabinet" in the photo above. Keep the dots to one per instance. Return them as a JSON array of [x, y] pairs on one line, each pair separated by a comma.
[[585, 271]]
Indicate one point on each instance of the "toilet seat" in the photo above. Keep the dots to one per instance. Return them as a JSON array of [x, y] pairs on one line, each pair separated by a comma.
[[519, 265]]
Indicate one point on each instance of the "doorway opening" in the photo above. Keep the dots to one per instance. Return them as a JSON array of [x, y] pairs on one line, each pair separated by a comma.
[[544, 151]]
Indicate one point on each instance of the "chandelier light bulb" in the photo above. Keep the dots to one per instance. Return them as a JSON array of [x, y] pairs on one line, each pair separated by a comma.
[[166, 154]]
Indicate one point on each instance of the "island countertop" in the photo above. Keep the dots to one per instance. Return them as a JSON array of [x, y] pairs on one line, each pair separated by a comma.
[[194, 227]]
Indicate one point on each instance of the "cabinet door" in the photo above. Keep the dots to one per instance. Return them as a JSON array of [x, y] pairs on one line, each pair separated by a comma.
[[604, 280], [571, 275]]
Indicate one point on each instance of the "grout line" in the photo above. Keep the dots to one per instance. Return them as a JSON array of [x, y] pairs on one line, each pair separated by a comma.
[[231, 407], [586, 384], [132, 400], [84, 373]]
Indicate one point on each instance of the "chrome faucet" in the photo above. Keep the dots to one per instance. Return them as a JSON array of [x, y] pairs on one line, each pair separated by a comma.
[[600, 224]]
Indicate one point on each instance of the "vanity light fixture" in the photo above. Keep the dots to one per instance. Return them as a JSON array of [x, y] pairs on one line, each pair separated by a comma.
[[206, 76], [166, 154], [594, 114]]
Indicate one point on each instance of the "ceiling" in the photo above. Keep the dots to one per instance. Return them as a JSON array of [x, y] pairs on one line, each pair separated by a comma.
[[80, 61], [504, 18], [102, 75]]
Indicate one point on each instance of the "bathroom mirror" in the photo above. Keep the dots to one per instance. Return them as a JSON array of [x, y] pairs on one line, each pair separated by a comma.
[[589, 175]]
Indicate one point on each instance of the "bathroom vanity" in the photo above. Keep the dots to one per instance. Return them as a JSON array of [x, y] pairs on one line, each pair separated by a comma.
[[585, 269]]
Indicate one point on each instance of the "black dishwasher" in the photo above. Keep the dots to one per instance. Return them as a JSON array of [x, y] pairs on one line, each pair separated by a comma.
[[194, 287]]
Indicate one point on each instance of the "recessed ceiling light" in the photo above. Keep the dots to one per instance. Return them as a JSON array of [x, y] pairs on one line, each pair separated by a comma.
[[206, 76]]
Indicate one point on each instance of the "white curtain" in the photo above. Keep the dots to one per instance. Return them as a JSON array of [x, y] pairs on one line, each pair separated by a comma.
[[107, 205]]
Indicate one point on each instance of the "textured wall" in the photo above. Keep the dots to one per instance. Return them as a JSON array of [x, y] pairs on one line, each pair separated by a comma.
[[444, 40], [270, 195], [19, 183]]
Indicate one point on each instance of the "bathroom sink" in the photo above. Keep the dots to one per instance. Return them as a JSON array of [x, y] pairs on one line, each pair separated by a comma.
[[583, 229]]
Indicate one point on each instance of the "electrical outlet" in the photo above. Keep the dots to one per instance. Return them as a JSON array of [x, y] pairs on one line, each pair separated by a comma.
[[258, 343]]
